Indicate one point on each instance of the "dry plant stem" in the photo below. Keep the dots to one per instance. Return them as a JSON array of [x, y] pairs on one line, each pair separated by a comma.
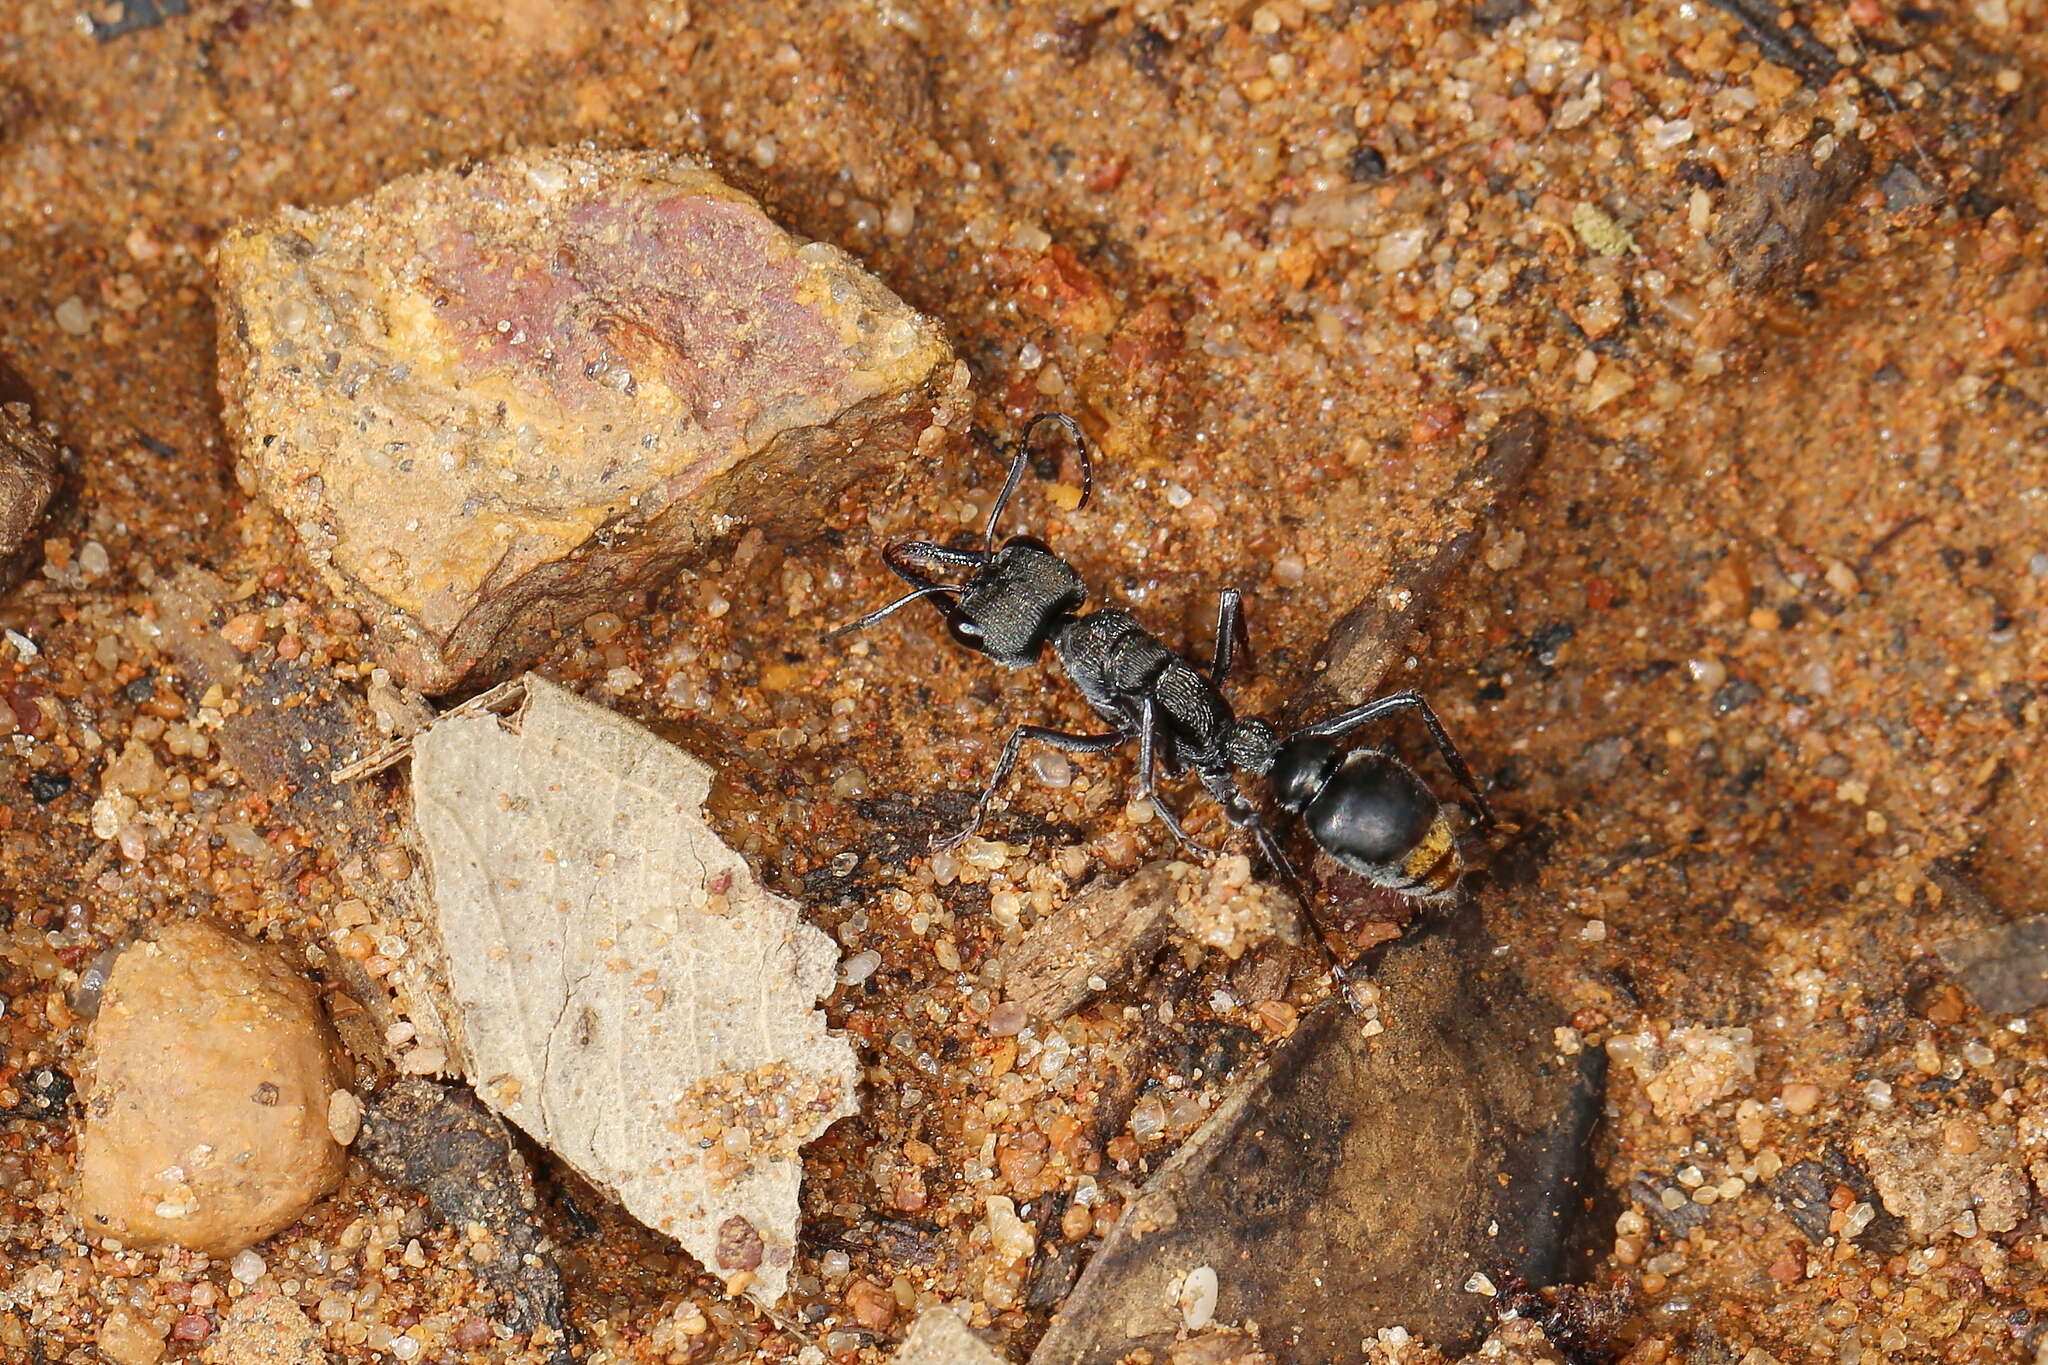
[[1359, 650]]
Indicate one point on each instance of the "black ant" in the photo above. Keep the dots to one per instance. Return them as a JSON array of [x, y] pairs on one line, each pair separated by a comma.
[[1366, 809]]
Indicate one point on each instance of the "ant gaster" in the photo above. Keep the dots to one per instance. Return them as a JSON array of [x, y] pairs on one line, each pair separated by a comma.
[[1366, 809]]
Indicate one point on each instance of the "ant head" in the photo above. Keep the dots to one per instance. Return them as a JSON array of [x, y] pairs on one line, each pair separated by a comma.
[[1013, 603], [1373, 815]]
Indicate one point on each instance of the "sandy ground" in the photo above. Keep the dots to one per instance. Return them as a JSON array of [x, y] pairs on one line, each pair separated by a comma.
[[1758, 657]]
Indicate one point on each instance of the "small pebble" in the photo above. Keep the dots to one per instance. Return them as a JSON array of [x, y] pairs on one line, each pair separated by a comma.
[[1197, 1298], [74, 317], [1007, 1020], [859, 967], [1800, 1097], [344, 1121], [247, 1267], [1506, 550], [206, 1043], [1054, 770]]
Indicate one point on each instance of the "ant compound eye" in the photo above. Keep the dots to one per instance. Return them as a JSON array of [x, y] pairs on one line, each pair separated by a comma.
[[1373, 813]]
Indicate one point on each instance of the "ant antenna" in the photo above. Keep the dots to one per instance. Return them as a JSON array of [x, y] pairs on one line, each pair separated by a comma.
[[1023, 457], [884, 613]]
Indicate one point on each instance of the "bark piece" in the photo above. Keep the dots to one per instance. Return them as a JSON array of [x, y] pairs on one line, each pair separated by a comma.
[[496, 400], [442, 1142], [1104, 934], [206, 1123], [30, 466], [1108, 934], [629, 995], [1357, 1182]]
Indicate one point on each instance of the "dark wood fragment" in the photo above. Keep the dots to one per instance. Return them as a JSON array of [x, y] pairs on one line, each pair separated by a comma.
[[441, 1141], [1355, 1181]]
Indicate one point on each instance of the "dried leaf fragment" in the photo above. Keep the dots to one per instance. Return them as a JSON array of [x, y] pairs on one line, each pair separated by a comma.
[[630, 996], [940, 1337]]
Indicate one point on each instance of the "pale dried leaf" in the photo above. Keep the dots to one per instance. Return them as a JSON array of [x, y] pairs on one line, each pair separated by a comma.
[[939, 1337], [631, 997]]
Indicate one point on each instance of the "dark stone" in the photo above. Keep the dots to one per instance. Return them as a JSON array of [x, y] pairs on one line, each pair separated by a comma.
[[1733, 695], [45, 1094], [1354, 1182], [1801, 1192], [1904, 189], [2003, 967], [1776, 216], [47, 786], [130, 16], [1647, 1191], [1544, 643], [441, 1141], [1366, 163], [1804, 1192], [1494, 15], [1702, 174]]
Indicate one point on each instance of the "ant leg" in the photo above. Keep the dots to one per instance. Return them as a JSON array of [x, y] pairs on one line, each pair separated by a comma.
[[1246, 816], [1148, 761], [1229, 629], [1059, 739], [1345, 722]]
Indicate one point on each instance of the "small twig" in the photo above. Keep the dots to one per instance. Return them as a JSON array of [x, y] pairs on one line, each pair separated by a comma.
[[501, 700], [1360, 649], [1788, 44]]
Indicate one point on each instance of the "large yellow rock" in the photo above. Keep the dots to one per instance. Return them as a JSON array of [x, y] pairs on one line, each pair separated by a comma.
[[493, 401], [206, 1118]]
